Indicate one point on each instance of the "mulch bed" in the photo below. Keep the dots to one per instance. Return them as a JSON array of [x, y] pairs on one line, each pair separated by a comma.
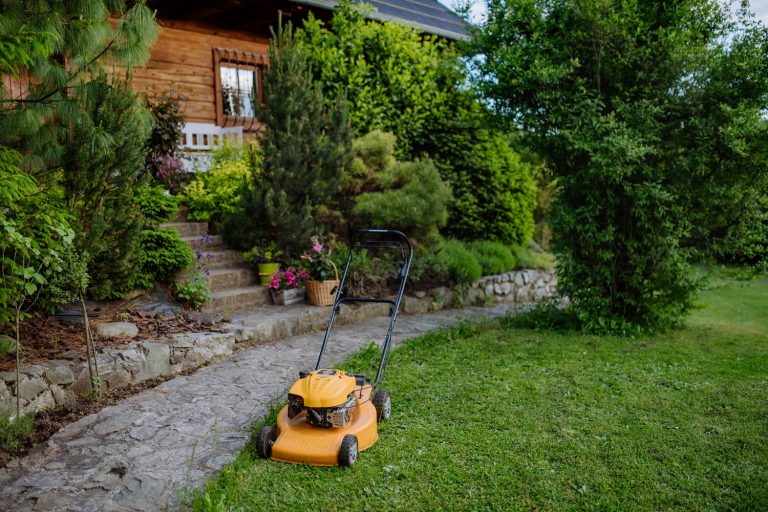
[[45, 337]]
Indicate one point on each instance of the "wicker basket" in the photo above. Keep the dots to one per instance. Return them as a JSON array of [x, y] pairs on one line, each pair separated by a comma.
[[320, 293]]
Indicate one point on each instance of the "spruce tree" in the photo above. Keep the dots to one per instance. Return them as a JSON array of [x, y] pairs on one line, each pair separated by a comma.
[[306, 147]]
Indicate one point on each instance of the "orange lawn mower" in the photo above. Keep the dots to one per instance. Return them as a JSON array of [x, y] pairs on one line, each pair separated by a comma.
[[333, 415]]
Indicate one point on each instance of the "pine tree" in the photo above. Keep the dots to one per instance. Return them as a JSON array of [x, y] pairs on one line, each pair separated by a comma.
[[305, 149], [76, 129]]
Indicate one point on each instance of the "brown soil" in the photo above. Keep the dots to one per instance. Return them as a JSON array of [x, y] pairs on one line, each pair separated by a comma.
[[44, 337]]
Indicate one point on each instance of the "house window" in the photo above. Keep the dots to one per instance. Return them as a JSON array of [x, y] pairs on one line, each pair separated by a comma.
[[238, 86]]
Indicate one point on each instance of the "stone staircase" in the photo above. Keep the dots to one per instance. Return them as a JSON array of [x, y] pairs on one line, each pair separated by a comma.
[[234, 286]]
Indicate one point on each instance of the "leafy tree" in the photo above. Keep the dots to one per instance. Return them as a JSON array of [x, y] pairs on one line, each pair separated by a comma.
[[644, 110], [391, 74], [305, 147]]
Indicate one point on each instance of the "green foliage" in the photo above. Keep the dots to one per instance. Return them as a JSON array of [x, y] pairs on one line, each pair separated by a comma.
[[217, 192], [194, 293], [102, 162], [529, 257], [156, 205], [390, 73], [74, 129], [456, 260], [265, 252], [163, 253], [13, 432], [409, 196], [648, 114], [494, 257], [494, 193], [306, 147], [163, 155], [60, 52], [34, 234], [749, 245]]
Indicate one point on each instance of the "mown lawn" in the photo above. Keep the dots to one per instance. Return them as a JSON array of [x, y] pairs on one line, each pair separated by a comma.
[[493, 418]]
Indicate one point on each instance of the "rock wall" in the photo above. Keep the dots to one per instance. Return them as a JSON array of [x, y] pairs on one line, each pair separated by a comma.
[[57, 381], [516, 287]]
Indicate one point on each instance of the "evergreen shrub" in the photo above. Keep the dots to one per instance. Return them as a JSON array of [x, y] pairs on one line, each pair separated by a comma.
[[456, 260], [163, 254], [156, 205], [494, 257], [306, 146], [409, 196]]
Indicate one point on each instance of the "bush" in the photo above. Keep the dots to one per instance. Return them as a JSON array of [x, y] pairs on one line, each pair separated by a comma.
[[530, 256], [494, 193], [163, 146], [409, 196], [390, 73], [102, 162], [163, 254], [156, 205], [494, 257], [217, 192], [195, 293], [457, 261]]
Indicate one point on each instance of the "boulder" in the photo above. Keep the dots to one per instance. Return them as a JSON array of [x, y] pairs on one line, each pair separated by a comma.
[[116, 329], [30, 387], [61, 374]]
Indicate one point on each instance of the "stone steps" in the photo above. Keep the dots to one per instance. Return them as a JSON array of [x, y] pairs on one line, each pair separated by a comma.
[[220, 279], [223, 259], [188, 229], [234, 300], [216, 243], [234, 285]]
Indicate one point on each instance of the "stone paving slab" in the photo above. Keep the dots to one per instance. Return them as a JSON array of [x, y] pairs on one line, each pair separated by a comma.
[[144, 452]]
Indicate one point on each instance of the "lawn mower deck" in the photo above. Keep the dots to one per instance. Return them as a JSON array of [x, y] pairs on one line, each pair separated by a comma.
[[333, 415]]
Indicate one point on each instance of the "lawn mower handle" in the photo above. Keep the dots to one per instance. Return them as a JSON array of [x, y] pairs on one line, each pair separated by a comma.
[[386, 238]]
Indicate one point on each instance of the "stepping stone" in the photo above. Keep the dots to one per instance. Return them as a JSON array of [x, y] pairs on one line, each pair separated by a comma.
[[116, 329]]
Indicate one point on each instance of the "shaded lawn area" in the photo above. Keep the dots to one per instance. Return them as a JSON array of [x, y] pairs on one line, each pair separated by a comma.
[[493, 418]]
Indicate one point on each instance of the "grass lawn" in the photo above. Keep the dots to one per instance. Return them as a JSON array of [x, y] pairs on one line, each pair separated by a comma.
[[493, 418]]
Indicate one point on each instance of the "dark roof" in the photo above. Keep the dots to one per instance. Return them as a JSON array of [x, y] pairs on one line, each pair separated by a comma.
[[426, 15]]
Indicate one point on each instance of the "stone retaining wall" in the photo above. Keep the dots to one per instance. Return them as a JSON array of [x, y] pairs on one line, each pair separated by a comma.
[[57, 381]]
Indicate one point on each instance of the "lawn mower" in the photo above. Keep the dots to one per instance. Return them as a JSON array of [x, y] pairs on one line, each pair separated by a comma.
[[332, 415]]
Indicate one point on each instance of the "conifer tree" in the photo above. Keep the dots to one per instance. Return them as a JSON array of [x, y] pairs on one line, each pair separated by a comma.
[[305, 146], [76, 129]]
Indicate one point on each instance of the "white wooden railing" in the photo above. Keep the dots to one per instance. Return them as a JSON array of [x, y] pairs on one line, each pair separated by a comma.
[[199, 139]]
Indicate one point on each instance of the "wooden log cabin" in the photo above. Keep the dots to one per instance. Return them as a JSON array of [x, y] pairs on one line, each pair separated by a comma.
[[212, 53]]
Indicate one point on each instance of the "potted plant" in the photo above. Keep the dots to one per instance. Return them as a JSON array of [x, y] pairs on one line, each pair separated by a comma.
[[323, 275], [288, 287], [266, 257]]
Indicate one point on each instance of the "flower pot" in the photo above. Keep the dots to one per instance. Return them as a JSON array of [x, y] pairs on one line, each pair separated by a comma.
[[285, 297], [321, 293], [266, 271]]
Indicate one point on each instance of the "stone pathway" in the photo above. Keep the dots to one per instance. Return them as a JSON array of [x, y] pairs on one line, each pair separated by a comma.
[[145, 452]]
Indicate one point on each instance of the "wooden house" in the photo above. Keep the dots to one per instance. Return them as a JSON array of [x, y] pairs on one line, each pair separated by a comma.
[[213, 53]]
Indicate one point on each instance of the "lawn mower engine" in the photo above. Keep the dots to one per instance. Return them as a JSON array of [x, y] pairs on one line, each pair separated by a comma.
[[329, 397]]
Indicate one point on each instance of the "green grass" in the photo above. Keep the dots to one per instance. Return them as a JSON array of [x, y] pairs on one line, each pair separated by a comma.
[[494, 418], [12, 433]]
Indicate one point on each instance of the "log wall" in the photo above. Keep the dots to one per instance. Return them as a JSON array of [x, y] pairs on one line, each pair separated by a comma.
[[182, 60]]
